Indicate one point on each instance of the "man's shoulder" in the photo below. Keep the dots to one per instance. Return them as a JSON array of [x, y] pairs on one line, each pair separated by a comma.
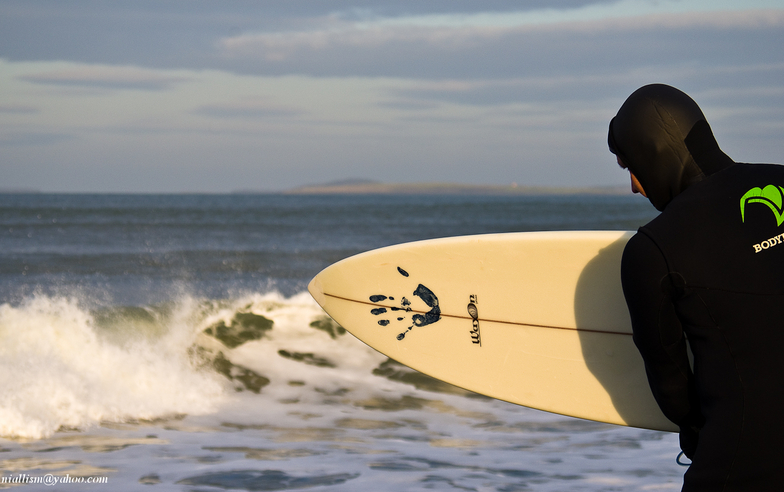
[[743, 171], [720, 219], [717, 197], [641, 245]]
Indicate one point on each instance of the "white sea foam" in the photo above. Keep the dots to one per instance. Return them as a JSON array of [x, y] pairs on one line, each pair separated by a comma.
[[65, 366], [347, 360], [56, 370]]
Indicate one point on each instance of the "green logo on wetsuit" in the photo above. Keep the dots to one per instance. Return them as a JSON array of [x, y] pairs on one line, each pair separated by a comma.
[[771, 195]]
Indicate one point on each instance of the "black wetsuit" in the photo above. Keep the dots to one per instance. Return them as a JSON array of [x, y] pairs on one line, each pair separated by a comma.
[[710, 270]]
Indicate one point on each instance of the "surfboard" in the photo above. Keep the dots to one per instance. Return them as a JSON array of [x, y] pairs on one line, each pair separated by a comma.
[[535, 318]]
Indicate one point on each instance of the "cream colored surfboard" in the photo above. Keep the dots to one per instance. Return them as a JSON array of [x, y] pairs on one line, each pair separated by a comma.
[[536, 319]]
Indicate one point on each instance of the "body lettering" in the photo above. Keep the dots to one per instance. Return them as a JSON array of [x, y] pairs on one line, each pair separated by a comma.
[[768, 243]]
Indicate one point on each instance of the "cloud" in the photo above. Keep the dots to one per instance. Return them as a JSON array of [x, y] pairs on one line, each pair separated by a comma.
[[407, 103], [248, 109], [499, 92], [106, 77], [33, 139], [728, 84], [13, 108], [491, 51], [181, 33], [344, 38]]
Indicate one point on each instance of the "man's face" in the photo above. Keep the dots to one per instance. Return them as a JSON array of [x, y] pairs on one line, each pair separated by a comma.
[[636, 186]]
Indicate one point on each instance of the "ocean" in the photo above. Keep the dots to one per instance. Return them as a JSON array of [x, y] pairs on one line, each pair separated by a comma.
[[168, 341]]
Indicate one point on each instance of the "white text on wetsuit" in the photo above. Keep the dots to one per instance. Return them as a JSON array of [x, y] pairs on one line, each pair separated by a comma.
[[774, 241]]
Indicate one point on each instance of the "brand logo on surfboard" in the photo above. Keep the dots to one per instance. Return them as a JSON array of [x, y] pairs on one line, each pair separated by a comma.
[[473, 311], [419, 320]]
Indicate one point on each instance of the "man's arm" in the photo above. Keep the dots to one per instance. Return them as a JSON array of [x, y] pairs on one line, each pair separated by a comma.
[[650, 290]]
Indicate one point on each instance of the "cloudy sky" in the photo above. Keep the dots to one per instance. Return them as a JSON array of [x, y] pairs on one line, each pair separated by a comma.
[[217, 96]]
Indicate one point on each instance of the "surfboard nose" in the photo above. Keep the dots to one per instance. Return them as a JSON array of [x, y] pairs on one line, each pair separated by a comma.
[[316, 291]]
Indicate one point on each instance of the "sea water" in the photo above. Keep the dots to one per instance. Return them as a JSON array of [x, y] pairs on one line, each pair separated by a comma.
[[168, 341]]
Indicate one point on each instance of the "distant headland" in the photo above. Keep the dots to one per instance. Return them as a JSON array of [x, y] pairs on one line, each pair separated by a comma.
[[368, 187]]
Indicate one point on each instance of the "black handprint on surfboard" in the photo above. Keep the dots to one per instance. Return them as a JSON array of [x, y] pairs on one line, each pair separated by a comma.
[[417, 319]]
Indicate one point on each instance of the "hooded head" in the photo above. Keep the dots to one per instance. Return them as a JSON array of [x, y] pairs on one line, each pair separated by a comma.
[[661, 135]]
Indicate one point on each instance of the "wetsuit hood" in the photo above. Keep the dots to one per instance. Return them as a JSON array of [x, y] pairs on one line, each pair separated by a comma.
[[663, 138]]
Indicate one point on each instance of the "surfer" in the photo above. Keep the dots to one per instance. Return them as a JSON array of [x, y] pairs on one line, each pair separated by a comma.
[[707, 270]]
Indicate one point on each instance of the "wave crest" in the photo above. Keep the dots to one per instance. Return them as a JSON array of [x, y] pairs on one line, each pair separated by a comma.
[[58, 369]]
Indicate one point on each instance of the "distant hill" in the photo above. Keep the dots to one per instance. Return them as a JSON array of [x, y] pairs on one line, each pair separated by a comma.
[[367, 187], [348, 182]]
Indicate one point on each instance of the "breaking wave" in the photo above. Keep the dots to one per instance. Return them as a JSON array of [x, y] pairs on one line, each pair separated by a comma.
[[64, 365]]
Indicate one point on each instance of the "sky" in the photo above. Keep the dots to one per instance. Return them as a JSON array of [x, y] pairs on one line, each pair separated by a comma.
[[178, 96]]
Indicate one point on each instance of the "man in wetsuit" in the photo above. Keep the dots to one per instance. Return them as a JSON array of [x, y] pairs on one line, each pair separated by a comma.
[[708, 270]]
